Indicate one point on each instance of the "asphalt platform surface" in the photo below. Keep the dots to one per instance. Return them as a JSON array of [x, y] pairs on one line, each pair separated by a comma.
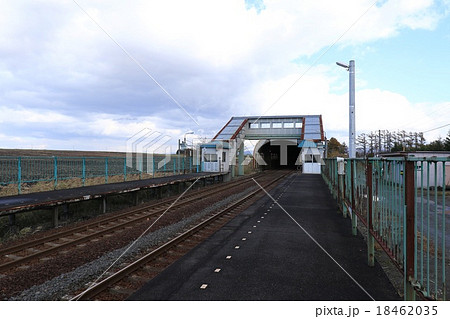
[[32, 200], [262, 254]]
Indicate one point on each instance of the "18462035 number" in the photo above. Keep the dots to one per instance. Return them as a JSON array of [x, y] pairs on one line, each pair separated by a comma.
[[407, 310]]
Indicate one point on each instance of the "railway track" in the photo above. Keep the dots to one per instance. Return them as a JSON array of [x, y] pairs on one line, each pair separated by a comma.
[[33, 250], [201, 230]]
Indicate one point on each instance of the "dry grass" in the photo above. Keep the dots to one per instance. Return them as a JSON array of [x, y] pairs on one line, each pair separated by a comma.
[[8, 190], [66, 153], [425, 245]]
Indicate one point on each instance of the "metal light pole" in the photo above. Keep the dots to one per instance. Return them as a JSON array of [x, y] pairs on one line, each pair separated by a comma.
[[186, 150], [351, 111]]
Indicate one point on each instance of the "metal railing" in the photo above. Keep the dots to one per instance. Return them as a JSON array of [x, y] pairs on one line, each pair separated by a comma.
[[29, 170], [402, 202]]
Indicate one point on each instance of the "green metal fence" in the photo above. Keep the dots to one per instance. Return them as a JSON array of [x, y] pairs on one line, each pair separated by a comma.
[[402, 202], [26, 170]]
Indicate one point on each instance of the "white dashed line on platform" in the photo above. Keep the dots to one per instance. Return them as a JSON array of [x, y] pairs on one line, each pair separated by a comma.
[[217, 270], [228, 257], [203, 286]]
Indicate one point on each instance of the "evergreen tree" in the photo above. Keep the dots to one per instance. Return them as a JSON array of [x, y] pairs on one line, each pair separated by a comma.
[[447, 142], [336, 149]]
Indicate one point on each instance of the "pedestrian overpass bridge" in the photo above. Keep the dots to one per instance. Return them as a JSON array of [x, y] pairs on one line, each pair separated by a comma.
[[281, 141]]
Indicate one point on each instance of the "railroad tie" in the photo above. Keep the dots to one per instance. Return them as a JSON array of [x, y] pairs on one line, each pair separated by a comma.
[[33, 250], [149, 268], [52, 244], [14, 257], [137, 279], [175, 253], [121, 290]]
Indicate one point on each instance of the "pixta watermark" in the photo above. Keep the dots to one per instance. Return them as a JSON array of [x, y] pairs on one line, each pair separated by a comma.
[[142, 148]]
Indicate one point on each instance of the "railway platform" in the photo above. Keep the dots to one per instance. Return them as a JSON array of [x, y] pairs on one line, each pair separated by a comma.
[[52, 199], [300, 250]]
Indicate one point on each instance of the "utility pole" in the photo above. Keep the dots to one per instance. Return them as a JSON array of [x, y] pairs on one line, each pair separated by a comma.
[[351, 112], [352, 149]]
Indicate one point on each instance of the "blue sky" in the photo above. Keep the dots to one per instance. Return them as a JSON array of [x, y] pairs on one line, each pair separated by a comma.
[[65, 84]]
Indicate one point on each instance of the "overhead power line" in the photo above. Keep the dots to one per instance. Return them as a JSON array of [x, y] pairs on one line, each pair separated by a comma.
[[137, 63], [436, 128], [317, 60]]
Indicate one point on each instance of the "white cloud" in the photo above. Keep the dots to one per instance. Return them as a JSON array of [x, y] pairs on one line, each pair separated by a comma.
[[216, 57], [23, 116], [375, 108], [46, 128]]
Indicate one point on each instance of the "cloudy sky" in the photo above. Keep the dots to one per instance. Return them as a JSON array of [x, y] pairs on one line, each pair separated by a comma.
[[88, 74]]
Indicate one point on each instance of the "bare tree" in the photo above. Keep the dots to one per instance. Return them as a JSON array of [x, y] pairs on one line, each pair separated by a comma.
[[372, 143], [361, 141]]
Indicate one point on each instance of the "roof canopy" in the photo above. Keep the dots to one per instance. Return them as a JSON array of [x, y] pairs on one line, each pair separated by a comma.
[[303, 127], [307, 143]]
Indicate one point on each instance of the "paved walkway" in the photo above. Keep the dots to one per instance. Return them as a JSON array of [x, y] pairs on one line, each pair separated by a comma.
[[276, 260]]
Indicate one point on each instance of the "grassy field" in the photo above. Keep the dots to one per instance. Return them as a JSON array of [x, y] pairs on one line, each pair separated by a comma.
[[28, 152]]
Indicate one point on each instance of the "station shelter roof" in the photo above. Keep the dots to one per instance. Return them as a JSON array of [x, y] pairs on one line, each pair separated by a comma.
[[301, 127]]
